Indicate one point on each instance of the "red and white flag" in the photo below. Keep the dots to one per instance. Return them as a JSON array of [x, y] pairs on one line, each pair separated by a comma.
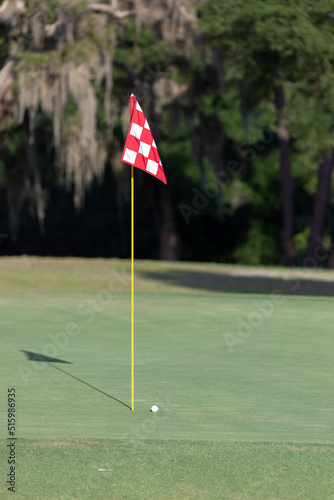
[[140, 149]]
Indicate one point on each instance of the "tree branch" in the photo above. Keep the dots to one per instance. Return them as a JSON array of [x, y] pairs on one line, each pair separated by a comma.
[[10, 8], [109, 9]]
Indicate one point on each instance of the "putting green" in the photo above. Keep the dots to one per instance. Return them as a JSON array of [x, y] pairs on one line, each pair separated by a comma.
[[229, 373]]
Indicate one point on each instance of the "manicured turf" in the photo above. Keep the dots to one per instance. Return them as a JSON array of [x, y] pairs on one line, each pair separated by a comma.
[[244, 381]]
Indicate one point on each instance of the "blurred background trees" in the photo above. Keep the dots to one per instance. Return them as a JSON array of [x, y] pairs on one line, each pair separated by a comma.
[[238, 95]]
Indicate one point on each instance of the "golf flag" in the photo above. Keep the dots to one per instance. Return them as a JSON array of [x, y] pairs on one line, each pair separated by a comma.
[[139, 151], [140, 148]]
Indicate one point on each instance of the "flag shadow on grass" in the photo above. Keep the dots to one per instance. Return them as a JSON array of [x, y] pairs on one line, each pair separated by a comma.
[[32, 356]]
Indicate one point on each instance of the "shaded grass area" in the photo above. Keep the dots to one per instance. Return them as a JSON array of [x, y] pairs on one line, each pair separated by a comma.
[[299, 282], [172, 469]]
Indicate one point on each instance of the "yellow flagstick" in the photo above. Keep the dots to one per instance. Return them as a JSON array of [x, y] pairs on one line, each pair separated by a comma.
[[132, 287]]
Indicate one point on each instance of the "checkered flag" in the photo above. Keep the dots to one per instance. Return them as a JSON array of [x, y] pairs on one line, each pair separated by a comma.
[[140, 149]]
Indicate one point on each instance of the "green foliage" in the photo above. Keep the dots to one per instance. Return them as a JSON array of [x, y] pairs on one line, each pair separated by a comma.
[[301, 240], [80, 51], [14, 141], [36, 63], [146, 38], [272, 42], [139, 53], [263, 45], [102, 38], [8, 123], [177, 162], [12, 152], [102, 120], [259, 247], [311, 123], [48, 9], [71, 108]]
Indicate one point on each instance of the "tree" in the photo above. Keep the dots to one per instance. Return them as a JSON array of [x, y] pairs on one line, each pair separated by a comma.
[[321, 202], [268, 46], [73, 66], [67, 69]]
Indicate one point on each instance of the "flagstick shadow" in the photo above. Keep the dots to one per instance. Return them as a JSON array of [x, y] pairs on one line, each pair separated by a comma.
[[86, 383], [33, 356]]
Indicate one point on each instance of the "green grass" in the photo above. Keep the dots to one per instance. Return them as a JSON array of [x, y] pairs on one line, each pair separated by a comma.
[[173, 469], [241, 415]]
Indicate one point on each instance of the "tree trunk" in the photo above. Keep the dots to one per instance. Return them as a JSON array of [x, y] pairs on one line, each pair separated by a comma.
[[219, 163], [289, 251], [321, 201], [168, 237]]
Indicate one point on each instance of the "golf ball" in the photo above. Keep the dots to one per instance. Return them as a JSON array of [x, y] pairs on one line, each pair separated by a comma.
[[154, 408]]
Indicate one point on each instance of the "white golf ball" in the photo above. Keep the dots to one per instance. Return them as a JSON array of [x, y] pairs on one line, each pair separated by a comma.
[[154, 408]]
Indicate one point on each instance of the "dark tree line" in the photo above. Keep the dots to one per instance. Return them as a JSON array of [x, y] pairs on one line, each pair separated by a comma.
[[238, 95]]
